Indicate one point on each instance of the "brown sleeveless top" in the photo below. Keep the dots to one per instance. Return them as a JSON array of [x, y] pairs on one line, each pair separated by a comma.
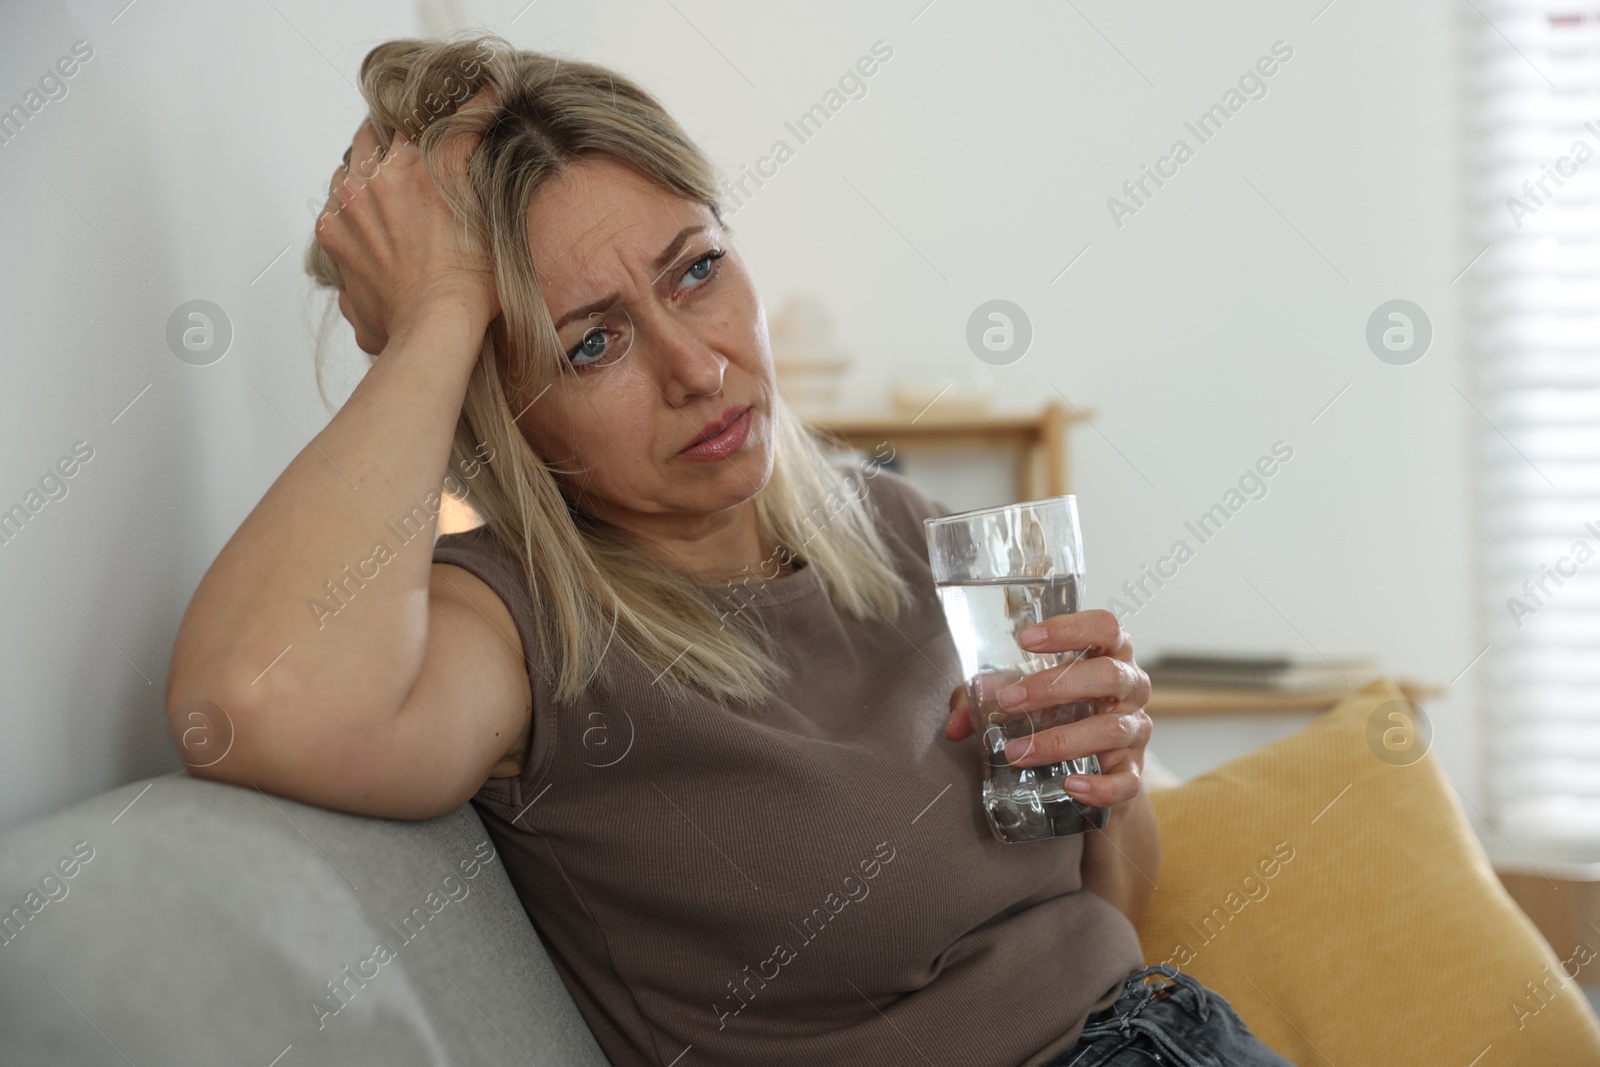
[[812, 883]]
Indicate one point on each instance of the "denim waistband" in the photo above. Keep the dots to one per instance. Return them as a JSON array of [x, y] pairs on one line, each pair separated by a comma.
[[1162, 981]]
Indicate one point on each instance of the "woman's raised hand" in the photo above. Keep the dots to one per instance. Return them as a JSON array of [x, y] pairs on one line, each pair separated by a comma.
[[1106, 674], [400, 251]]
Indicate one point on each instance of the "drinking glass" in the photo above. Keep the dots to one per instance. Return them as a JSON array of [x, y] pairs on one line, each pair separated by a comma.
[[1000, 570]]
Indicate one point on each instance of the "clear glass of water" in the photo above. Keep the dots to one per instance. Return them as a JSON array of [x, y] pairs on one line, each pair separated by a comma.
[[1000, 570]]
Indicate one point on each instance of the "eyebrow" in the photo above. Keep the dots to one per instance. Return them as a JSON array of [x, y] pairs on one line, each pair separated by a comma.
[[660, 263]]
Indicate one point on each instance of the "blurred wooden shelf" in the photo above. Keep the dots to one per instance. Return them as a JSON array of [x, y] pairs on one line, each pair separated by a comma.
[[1167, 700], [1038, 437]]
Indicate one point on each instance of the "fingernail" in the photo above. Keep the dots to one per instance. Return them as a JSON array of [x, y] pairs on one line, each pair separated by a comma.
[[1011, 695], [1075, 784], [1015, 750], [1032, 635]]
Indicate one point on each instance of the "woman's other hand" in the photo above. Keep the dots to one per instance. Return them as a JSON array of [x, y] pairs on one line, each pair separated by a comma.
[[400, 250], [1106, 674]]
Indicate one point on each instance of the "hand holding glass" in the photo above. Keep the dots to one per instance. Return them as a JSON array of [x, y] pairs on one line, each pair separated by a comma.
[[998, 571]]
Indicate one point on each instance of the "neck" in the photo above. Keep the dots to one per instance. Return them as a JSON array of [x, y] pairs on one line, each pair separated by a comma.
[[725, 546]]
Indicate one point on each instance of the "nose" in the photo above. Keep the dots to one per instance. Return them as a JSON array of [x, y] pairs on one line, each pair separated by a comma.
[[686, 366]]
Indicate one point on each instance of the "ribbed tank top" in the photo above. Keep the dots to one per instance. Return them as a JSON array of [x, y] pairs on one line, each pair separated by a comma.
[[809, 883]]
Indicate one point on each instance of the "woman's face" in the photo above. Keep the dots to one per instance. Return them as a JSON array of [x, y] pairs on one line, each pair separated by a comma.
[[666, 345]]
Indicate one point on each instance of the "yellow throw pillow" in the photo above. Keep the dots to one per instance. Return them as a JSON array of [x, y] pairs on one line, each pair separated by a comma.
[[1330, 886]]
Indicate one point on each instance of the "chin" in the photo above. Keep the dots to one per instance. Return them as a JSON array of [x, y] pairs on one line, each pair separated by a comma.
[[736, 479]]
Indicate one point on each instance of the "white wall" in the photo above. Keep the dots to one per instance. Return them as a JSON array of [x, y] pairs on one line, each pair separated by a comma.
[[176, 167], [1221, 318]]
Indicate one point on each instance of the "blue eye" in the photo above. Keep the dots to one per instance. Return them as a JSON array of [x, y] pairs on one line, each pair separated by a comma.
[[705, 267], [602, 345], [599, 347], [585, 352]]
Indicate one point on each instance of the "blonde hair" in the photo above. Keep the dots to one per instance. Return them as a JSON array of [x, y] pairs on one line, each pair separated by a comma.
[[593, 583]]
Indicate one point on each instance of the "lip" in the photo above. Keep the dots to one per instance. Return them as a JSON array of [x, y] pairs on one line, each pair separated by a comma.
[[720, 438]]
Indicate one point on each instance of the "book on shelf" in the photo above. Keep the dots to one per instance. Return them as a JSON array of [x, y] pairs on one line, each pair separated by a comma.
[[1198, 670]]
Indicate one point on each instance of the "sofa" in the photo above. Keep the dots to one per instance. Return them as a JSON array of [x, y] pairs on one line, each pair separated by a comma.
[[178, 921]]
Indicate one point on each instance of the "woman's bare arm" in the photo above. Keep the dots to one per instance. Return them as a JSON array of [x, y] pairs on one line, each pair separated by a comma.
[[253, 635], [253, 632], [311, 627], [1122, 863]]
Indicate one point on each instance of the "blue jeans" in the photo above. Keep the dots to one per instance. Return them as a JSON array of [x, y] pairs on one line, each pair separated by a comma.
[[1164, 1016]]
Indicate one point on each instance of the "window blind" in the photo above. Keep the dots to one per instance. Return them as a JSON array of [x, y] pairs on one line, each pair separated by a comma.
[[1531, 317]]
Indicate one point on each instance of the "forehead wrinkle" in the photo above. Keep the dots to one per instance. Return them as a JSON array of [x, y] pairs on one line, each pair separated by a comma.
[[583, 238], [680, 211], [619, 250]]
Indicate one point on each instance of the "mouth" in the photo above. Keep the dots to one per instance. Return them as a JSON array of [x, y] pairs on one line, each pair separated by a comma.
[[721, 437]]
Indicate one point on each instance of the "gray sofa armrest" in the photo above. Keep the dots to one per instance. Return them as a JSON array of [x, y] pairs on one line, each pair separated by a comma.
[[178, 921]]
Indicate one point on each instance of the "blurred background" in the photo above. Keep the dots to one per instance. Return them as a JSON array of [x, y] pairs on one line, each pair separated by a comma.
[[1310, 288]]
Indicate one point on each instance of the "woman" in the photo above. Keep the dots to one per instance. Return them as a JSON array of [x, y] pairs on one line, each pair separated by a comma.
[[691, 669]]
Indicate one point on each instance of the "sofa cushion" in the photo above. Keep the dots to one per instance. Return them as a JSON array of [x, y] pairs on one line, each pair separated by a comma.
[[1331, 887], [180, 921]]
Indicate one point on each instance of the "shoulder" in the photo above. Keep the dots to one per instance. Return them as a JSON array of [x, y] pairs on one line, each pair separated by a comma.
[[476, 535], [505, 596], [483, 555], [898, 505], [477, 550]]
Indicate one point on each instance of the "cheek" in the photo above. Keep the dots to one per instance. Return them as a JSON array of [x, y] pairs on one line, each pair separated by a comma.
[[607, 437], [753, 355]]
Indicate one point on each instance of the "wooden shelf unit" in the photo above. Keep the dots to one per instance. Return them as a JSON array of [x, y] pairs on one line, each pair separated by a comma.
[[1167, 700], [1038, 438]]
